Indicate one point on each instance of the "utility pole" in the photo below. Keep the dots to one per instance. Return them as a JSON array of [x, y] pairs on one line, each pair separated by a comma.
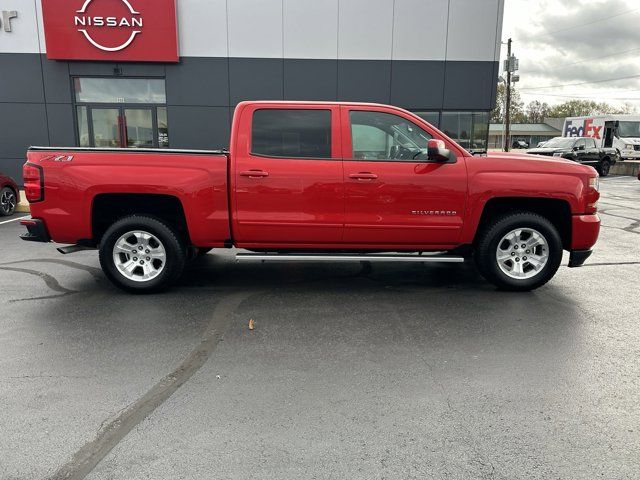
[[508, 107], [511, 67]]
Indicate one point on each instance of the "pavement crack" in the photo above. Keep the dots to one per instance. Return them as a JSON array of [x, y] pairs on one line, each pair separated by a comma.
[[49, 281], [93, 271], [113, 431]]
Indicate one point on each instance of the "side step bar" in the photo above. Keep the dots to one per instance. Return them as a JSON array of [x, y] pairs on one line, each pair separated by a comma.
[[290, 257]]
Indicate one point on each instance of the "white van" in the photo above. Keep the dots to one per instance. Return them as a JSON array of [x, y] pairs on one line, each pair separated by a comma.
[[621, 132]]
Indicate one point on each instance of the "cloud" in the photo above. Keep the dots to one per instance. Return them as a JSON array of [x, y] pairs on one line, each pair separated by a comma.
[[557, 40]]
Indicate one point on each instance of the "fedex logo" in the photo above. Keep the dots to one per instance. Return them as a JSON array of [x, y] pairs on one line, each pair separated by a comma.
[[588, 129]]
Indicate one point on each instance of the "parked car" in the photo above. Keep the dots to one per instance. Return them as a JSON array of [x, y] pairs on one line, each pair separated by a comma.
[[520, 144], [9, 195], [581, 150], [321, 182], [541, 144]]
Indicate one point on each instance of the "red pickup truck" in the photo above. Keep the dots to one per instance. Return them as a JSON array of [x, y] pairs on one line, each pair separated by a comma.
[[315, 181]]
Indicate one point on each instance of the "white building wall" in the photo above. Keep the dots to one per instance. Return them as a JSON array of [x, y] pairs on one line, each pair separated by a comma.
[[312, 29], [24, 35], [420, 29], [472, 29]]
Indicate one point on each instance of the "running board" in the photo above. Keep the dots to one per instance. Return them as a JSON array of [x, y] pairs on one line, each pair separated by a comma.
[[73, 249], [290, 257]]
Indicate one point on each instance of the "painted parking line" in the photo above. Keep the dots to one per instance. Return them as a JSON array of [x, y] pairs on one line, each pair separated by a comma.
[[14, 220]]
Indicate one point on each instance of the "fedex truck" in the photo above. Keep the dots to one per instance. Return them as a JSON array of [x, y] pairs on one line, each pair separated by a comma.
[[621, 132]]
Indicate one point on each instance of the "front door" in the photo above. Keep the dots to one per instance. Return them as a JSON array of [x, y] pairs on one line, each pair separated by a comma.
[[392, 199], [287, 177]]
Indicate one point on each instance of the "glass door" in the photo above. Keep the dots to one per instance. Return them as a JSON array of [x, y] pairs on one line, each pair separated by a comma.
[[138, 127], [105, 127], [122, 127]]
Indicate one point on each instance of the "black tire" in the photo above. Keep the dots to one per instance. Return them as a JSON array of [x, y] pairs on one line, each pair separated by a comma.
[[8, 201], [604, 167], [487, 246], [175, 254]]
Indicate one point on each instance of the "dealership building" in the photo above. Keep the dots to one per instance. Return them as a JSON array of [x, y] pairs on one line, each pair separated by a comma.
[[168, 73]]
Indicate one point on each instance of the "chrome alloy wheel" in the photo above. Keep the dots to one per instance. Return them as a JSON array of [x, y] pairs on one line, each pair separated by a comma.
[[139, 256], [7, 201], [522, 253]]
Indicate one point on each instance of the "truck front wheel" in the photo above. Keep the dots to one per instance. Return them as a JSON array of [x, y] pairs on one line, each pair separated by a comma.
[[141, 254], [604, 168], [519, 251]]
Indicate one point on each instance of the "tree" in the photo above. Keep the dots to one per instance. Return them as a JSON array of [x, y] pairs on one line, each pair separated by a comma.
[[517, 105], [537, 111], [578, 108]]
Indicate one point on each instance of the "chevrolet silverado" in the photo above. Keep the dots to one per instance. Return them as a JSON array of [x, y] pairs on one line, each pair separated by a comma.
[[315, 181]]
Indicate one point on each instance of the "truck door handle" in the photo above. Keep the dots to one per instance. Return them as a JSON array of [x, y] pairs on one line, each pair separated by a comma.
[[254, 173], [363, 176]]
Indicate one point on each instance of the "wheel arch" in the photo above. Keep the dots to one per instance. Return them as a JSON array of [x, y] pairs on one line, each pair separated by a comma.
[[107, 208], [557, 211]]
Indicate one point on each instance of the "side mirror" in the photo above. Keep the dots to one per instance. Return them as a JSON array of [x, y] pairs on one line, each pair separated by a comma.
[[436, 151]]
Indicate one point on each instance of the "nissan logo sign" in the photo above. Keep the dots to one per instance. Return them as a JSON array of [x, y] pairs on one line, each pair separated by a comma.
[[111, 30], [86, 23]]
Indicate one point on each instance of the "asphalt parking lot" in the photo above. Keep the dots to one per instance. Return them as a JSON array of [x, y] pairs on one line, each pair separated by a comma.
[[401, 371]]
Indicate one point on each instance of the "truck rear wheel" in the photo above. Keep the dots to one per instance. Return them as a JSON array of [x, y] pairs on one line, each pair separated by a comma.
[[142, 255], [519, 251]]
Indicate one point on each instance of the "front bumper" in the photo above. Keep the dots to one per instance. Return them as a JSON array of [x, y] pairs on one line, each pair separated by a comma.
[[629, 153], [584, 231], [36, 231], [578, 257]]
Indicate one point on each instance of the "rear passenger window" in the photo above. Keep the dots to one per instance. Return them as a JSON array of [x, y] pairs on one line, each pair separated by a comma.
[[291, 133]]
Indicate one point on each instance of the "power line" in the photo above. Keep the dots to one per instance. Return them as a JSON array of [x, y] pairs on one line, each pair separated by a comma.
[[546, 34], [581, 83], [584, 96], [596, 58]]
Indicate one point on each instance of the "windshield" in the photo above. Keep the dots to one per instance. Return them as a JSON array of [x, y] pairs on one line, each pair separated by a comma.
[[560, 142], [629, 130]]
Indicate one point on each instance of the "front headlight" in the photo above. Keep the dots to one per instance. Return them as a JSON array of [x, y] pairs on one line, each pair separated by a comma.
[[594, 182], [628, 146]]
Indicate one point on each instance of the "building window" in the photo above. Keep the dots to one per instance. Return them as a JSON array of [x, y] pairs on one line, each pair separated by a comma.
[[120, 90], [469, 129], [291, 133], [121, 112], [383, 136], [432, 117]]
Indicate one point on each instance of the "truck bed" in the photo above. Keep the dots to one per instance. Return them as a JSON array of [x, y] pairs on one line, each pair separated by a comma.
[[198, 178]]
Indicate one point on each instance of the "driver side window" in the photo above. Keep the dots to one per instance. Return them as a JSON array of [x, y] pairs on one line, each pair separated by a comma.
[[384, 136]]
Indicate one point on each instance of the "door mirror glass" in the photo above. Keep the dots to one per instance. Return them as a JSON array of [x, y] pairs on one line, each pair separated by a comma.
[[437, 151]]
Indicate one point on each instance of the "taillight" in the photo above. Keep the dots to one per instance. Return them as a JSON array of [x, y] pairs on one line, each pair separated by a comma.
[[33, 182]]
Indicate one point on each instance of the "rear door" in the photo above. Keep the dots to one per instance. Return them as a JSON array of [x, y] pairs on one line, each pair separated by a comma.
[[288, 189], [392, 199]]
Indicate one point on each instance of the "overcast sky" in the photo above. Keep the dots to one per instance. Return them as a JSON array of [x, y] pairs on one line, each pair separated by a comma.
[[550, 37]]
